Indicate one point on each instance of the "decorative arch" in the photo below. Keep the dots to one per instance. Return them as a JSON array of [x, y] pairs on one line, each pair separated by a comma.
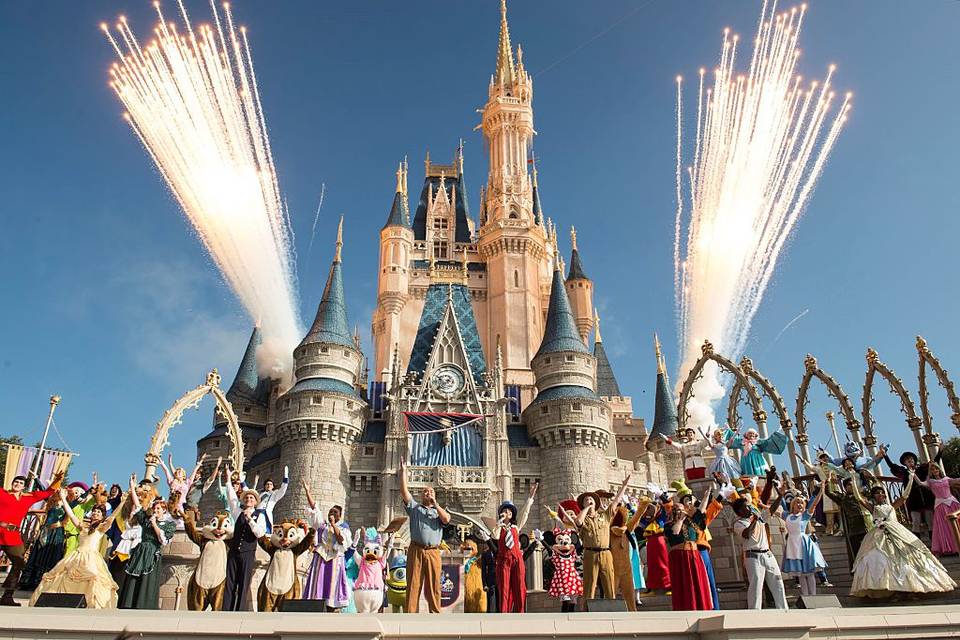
[[684, 433], [174, 415], [779, 406], [813, 370], [907, 407], [931, 438]]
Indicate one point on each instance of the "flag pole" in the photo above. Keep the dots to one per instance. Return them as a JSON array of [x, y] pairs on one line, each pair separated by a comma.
[[54, 401]]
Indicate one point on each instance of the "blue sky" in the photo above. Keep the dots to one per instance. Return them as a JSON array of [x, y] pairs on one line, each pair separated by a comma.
[[111, 302]]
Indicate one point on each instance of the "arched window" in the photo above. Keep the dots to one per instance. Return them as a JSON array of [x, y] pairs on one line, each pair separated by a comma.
[[516, 278]]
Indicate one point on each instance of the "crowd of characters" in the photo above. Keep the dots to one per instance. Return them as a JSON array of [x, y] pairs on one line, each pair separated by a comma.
[[106, 543]]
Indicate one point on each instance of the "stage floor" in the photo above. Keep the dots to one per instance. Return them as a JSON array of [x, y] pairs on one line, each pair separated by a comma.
[[932, 621]]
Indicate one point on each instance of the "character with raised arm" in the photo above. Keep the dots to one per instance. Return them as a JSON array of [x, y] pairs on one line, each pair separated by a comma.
[[891, 559], [141, 584], [178, 481], [688, 575], [85, 571], [327, 576], [760, 564], [270, 495], [943, 542], [511, 571], [249, 526], [823, 469], [426, 533], [752, 462], [802, 557]]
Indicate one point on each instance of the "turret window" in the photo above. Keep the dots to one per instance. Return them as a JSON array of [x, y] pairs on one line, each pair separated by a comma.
[[569, 358], [576, 406], [439, 250], [440, 224], [544, 410], [316, 400], [324, 349], [522, 454]]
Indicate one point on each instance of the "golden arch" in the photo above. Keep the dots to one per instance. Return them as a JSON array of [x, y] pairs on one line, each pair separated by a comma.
[[813, 370], [742, 381], [926, 357], [173, 416], [779, 406], [875, 366]]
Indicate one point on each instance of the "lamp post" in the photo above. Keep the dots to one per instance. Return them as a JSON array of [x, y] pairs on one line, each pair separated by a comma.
[[54, 401]]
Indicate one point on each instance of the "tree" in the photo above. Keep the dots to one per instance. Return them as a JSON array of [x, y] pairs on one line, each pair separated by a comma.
[[3, 451], [951, 457]]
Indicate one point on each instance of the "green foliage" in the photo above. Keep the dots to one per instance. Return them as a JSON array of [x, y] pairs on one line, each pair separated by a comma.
[[3, 451], [951, 457]]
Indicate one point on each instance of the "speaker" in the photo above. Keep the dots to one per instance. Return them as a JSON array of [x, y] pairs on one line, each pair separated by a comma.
[[606, 606], [62, 600], [825, 601], [304, 606]]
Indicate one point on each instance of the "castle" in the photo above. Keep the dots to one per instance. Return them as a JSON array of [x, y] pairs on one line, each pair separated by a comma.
[[488, 368]]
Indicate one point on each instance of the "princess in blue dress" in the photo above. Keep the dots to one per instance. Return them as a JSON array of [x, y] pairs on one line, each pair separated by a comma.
[[752, 462], [802, 556]]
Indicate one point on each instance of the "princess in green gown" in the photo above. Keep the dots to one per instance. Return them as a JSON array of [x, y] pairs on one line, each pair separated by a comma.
[[141, 584]]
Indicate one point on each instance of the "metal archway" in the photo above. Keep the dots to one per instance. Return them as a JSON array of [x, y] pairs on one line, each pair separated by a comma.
[[812, 370], [907, 407], [779, 406], [931, 438], [684, 433], [174, 415]]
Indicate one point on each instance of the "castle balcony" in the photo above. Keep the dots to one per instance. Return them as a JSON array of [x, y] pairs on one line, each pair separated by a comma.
[[465, 488]]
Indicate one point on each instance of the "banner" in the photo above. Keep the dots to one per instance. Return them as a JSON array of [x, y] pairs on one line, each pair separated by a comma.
[[20, 461], [444, 439]]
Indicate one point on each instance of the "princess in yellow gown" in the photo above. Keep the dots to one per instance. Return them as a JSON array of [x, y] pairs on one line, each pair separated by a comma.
[[84, 571]]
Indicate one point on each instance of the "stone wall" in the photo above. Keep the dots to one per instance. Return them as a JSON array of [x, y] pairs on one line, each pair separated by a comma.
[[364, 502], [567, 470], [324, 466]]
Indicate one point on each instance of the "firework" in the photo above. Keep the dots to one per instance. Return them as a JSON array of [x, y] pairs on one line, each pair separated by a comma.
[[762, 139], [192, 100]]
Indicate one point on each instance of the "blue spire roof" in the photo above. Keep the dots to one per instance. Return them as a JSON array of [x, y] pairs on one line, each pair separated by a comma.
[[665, 410], [606, 382], [331, 325], [398, 216], [248, 386], [430, 318], [561, 332], [576, 267], [537, 209]]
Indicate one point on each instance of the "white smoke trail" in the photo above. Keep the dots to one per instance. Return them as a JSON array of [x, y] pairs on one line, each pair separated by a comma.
[[762, 143], [193, 102]]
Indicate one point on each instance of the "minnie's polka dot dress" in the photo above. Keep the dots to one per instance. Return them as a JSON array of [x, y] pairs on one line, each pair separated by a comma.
[[566, 581]]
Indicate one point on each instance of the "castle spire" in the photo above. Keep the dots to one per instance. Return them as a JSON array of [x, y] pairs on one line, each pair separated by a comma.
[[248, 386], [596, 320], [537, 207], [607, 386], [330, 324], [576, 266], [399, 211], [505, 69], [665, 410], [560, 332], [661, 367]]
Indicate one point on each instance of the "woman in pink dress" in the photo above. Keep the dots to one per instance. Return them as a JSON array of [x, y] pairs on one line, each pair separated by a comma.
[[943, 543]]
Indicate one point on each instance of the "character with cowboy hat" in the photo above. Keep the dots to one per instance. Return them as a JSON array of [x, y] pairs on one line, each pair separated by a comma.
[[250, 525], [593, 525]]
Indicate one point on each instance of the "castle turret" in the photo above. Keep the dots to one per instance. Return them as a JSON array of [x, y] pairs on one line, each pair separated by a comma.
[[396, 246], [568, 420], [511, 242], [321, 417], [580, 291], [665, 409]]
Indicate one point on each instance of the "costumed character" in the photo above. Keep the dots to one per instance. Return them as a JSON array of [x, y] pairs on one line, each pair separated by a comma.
[[368, 587], [689, 582], [141, 583], [84, 571], [705, 539], [474, 594], [593, 526], [723, 462], [80, 499], [126, 536], [802, 557], [855, 465], [249, 526], [234, 480], [14, 505], [179, 483], [326, 578], [270, 496], [48, 549], [752, 462], [653, 521], [353, 571], [921, 501], [943, 542], [566, 585], [694, 466], [397, 583], [200, 486], [288, 541], [633, 537], [823, 469], [892, 559], [620, 527], [856, 521], [510, 569], [760, 564], [209, 579]]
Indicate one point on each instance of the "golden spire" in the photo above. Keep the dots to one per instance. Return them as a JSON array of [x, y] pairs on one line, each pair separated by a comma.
[[505, 69], [405, 170], [533, 161], [336, 256], [400, 178], [661, 366], [573, 237], [596, 322]]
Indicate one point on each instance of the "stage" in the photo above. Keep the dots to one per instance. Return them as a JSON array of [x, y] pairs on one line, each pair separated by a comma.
[[930, 621]]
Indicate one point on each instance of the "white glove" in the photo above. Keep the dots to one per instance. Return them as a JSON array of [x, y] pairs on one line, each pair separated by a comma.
[[538, 535]]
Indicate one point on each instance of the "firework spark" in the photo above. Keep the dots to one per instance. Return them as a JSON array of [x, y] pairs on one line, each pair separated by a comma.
[[192, 100], [762, 140]]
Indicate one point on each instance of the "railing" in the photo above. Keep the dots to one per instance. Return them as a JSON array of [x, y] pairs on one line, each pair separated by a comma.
[[448, 476]]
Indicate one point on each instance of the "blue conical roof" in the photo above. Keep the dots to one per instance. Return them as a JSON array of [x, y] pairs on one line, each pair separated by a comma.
[[561, 332], [537, 209], [606, 382], [665, 410], [331, 324], [576, 267], [248, 386], [398, 215]]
